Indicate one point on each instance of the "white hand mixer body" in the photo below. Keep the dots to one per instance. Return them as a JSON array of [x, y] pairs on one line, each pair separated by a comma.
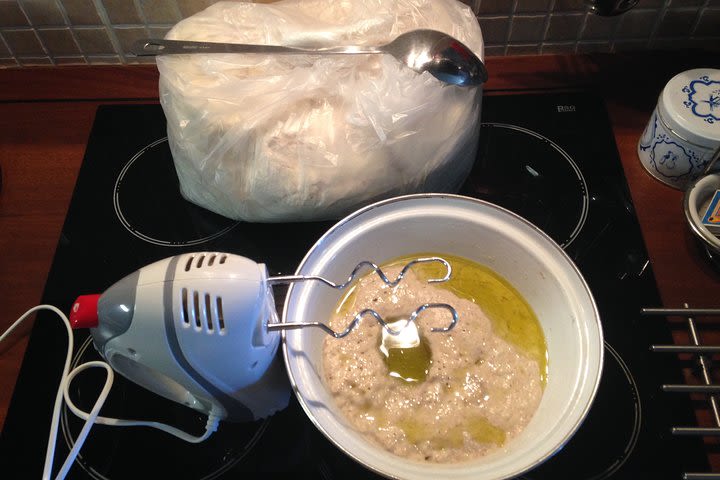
[[193, 328]]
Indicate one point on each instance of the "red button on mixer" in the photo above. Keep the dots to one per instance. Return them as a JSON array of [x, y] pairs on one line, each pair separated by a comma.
[[84, 312]]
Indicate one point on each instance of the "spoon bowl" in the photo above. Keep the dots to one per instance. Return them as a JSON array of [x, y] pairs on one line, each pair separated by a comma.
[[443, 56], [423, 50]]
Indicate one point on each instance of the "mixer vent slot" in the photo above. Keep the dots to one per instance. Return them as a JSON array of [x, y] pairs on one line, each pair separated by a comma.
[[184, 311], [196, 310], [201, 311], [220, 317], [208, 313], [199, 260]]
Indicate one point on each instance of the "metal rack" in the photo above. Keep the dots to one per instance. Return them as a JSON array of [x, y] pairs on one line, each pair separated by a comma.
[[707, 387]]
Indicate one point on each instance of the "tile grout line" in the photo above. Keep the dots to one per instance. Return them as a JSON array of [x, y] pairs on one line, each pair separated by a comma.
[[102, 13], [144, 25], [660, 17], [178, 12], [581, 31], [508, 35], [7, 46], [546, 26], [66, 18], [33, 28], [140, 11], [700, 12], [613, 36]]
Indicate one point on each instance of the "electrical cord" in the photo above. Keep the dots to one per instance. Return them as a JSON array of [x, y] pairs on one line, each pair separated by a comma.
[[92, 417]]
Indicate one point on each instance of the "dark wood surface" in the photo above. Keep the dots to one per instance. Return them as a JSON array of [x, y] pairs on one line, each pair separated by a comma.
[[46, 115]]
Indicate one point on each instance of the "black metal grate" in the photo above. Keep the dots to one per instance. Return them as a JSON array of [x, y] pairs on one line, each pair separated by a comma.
[[702, 355]]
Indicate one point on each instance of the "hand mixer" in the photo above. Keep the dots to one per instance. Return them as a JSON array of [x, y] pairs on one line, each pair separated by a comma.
[[201, 329]]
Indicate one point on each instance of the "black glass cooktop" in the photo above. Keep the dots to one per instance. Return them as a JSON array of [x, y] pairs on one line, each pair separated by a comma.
[[551, 158]]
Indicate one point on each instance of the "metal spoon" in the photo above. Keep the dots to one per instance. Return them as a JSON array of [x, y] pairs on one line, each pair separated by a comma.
[[431, 51]]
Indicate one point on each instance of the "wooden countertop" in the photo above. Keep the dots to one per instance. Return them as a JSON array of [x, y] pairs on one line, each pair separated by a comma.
[[46, 115]]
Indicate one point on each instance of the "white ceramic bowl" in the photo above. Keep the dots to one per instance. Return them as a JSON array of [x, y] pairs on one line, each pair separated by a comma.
[[695, 202], [490, 235]]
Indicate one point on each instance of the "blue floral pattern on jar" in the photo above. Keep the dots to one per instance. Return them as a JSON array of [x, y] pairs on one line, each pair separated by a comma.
[[674, 161], [649, 133], [703, 98]]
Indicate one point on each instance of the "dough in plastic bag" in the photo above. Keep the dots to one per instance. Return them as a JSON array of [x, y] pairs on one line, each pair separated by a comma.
[[279, 138]]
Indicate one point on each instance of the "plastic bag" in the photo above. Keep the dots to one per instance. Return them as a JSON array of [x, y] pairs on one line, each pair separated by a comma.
[[270, 138]]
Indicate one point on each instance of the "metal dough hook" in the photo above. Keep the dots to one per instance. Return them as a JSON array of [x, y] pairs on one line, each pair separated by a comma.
[[368, 311], [376, 269]]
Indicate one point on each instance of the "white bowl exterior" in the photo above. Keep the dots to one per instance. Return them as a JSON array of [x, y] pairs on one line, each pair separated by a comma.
[[448, 224]]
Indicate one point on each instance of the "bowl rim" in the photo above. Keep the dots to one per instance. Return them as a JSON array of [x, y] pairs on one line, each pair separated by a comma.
[[692, 215], [592, 392]]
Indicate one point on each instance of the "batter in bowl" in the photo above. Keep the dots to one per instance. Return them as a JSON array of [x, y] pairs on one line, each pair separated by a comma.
[[453, 396]]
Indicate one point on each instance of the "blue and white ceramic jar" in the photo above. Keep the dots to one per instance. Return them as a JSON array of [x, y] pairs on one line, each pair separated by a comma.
[[684, 130]]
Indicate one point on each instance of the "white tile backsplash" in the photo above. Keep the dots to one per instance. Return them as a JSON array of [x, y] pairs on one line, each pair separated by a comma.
[[66, 32]]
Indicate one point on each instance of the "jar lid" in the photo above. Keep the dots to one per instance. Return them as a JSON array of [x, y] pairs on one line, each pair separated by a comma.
[[690, 106]]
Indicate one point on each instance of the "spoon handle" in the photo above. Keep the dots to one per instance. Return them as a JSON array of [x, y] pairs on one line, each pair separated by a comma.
[[152, 47]]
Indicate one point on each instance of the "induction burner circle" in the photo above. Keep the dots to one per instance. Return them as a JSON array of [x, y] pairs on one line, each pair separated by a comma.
[[120, 452], [149, 204], [610, 432], [531, 175]]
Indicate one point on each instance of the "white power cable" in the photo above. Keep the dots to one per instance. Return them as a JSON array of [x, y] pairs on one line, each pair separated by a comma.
[[92, 417], [50, 452]]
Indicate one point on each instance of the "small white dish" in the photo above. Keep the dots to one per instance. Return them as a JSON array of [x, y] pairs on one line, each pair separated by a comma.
[[695, 202], [490, 235]]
